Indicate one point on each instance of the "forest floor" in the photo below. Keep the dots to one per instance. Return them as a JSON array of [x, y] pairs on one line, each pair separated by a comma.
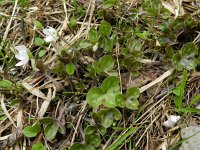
[[104, 74]]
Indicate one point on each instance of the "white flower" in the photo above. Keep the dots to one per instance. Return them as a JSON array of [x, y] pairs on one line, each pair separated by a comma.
[[22, 56], [172, 120], [51, 34]]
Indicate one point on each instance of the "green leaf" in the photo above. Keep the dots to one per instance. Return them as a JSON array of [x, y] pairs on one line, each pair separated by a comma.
[[93, 36], [37, 25], [117, 114], [133, 92], [111, 84], [42, 53], [84, 44], [38, 146], [6, 84], [105, 28], [89, 130], [77, 146], [107, 119], [95, 96], [109, 3], [131, 103], [102, 129], [93, 139], [179, 90], [120, 100], [70, 68], [104, 64], [190, 110], [195, 99], [47, 120], [106, 44], [109, 100], [122, 138], [186, 57], [142, 35], [89, 147], [50, 131], [39, 41], [72, 22], [30, 131]]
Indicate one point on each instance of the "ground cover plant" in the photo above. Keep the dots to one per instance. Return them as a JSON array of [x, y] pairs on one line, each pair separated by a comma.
[[98, 74]]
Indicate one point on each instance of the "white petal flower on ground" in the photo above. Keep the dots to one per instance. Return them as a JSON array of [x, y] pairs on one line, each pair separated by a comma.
[[51, 34], [22, 55], [172, 120]]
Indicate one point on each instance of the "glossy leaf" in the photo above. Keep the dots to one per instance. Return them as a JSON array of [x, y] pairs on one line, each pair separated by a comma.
[[105, 28], [111, 84], [107, 119], [89, 130], [30, 131], [70, 68], [109, 100], [93, 139], [117, 114], [77, 146], [106, 44], [50, 131], [95, 96], [120, 100], [39, 41], [133, 92], [42, 53], [84, 44], [38, 146], [93, 36], [132, 103]]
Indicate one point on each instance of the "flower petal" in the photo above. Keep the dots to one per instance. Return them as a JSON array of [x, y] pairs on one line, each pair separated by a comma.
[[49, 39], [21, 48], [20, 63], [20, 57]]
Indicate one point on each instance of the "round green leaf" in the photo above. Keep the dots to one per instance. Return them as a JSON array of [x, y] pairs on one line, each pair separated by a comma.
[[93, 35], [102, 130], [132, 103], [39, 41], [109, 100], [38, 146], [120, 100], [105, 28], [37, 25], [117, 114], [93, 139], [95, 96], [106, 44], [30, 131], [77, 146], [84, 44], [104, 64], [89, 130], [89, 147], [133, 92], [42, 53], [107, 119], [70, 68], [111, 84], [50, 131], [72, 22]]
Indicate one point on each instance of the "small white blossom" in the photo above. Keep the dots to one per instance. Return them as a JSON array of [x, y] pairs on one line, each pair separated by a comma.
[[172, 120], [51, 34], [22, 55]]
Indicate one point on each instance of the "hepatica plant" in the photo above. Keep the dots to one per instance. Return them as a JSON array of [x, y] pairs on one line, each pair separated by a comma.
[[110, 96]]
